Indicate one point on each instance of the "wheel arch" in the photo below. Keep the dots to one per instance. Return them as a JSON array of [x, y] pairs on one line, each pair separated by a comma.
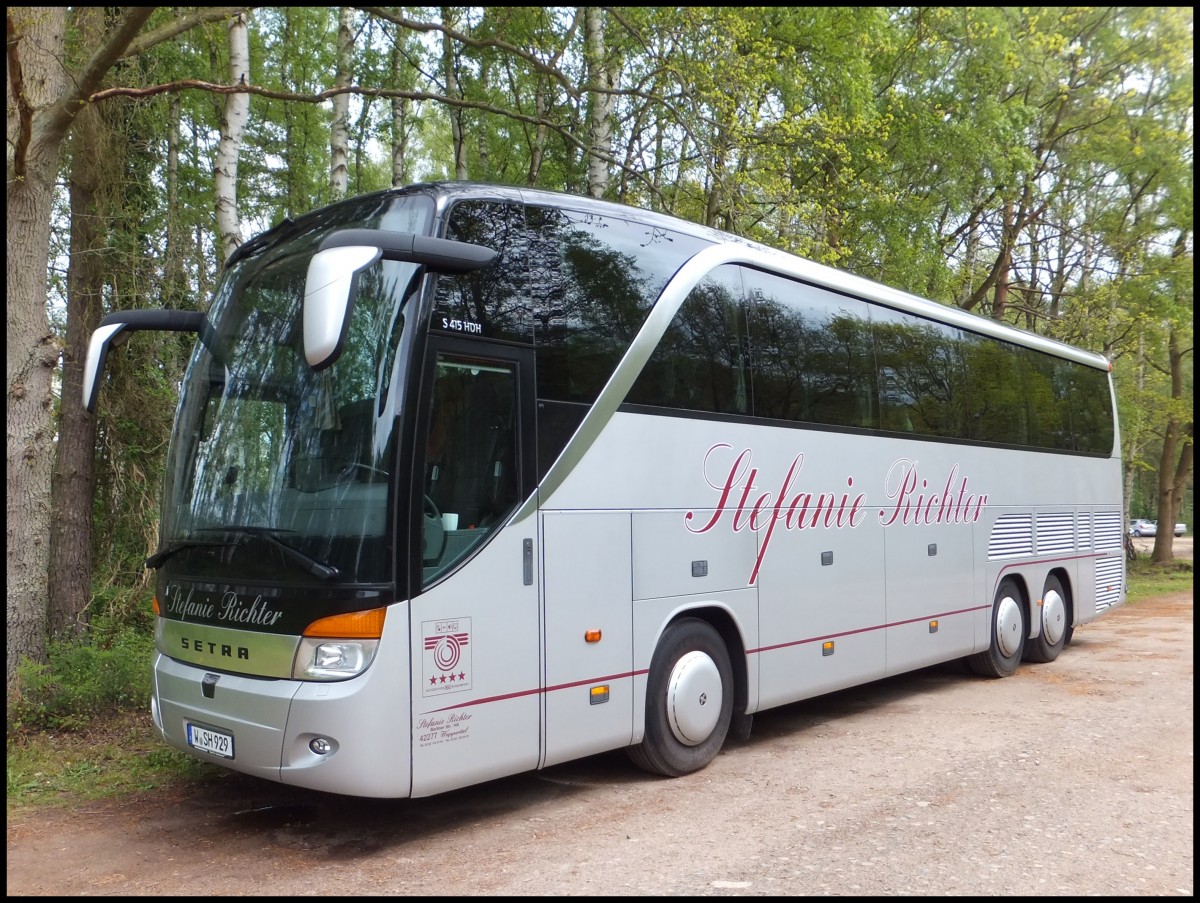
[[1021, 581]]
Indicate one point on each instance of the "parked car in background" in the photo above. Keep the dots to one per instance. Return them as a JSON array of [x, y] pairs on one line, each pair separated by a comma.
[[1141, 527]]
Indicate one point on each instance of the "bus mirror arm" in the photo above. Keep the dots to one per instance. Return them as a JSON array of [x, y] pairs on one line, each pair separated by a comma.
[[443, 255], [114, 330], [332, 280]]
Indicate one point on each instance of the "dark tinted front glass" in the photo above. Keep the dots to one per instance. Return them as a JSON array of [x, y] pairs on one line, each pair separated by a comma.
[[270, 458]]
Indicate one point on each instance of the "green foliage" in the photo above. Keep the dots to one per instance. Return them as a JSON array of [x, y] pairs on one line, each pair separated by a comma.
[[112, 756], [94, 676]]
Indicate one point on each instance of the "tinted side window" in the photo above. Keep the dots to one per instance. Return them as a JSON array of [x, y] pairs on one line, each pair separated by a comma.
[[492, 302], [1049, 423], [996, 398], [812, 353], [593, 279], [702, 361], [1069, 404], [923, 374], [1084, 402]]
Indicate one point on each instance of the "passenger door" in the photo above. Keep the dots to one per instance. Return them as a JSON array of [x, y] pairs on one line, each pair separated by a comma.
[[476, 641]]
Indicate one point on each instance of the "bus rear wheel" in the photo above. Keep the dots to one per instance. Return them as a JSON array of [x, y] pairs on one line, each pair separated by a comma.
[[689, 700], [1008, 632], [1052, 635]]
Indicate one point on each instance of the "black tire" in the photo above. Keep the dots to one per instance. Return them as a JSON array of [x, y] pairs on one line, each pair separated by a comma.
[[1008, 630], [1055, 611], [683, 734]]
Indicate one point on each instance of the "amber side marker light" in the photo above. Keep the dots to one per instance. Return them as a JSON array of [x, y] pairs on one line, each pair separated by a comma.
[[154, 605], [354, 625], [599, 694], [591, 636]]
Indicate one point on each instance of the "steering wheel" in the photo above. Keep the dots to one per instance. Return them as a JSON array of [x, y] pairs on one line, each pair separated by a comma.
[[433, 534]]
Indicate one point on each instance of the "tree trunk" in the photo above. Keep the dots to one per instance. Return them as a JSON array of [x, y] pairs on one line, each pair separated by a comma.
[[70, 564], [450, 71], [42, 104], [233, 125], [1175, 463], [400, 108], [339, 131], [36, 80], [175, 266], [600, 103]]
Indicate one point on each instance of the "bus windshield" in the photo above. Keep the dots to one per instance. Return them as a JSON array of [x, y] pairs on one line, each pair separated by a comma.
[[278, 472]]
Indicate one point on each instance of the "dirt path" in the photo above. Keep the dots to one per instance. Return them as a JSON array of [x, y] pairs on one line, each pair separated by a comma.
[[1069, 778]]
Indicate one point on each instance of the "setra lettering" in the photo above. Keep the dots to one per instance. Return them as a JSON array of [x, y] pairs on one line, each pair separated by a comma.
[[221, 650]]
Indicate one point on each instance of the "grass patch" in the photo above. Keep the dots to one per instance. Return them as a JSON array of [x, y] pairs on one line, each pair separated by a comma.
[[1146, 579], [114, 756], [78, 727]]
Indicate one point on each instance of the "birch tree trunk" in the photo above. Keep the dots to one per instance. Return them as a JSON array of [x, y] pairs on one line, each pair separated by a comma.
[[400, 124], [233, 126], [339, 131], [601, 78]]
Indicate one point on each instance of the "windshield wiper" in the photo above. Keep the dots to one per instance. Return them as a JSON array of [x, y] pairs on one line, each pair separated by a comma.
[[244, 535], [179, 545]]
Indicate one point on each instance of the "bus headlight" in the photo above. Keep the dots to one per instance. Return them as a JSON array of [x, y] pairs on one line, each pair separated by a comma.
[[339, 647], [323, 659]]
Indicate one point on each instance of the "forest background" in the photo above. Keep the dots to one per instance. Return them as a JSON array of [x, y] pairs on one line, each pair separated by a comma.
[[1033, 165]]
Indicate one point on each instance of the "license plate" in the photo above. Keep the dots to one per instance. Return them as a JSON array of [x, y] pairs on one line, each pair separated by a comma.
[[210, 741]]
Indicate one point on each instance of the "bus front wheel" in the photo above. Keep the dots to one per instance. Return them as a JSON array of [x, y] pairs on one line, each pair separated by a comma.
[[1052, 635], [1008, 632], [689, 700]]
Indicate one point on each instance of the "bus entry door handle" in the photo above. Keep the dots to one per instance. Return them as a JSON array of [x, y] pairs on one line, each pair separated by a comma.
[[527, 561]]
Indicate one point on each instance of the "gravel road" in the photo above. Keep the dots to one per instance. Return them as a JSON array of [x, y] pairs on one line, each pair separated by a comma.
[[1073, 778]]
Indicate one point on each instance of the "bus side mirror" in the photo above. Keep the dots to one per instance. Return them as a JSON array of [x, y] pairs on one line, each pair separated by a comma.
[[332, 280], [329, 290], [114, 330]]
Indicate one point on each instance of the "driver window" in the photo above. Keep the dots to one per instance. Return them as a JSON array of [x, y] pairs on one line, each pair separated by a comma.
[[470, 482]]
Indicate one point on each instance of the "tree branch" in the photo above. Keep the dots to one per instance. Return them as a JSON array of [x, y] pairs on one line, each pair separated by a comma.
[[60, 116], [178, 26], [466, 40], [322, 96]]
